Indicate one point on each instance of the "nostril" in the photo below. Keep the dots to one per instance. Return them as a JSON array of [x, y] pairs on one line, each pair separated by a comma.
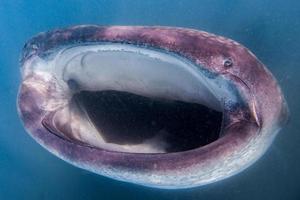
[[228, 62]]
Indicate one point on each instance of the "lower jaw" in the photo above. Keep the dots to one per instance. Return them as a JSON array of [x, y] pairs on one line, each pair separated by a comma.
[[217, 160]]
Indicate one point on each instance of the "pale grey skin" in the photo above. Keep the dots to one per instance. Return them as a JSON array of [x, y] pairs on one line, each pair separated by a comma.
[[248, 128]]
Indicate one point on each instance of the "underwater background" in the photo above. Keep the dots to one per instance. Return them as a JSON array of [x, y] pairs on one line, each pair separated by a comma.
[[270, 29]]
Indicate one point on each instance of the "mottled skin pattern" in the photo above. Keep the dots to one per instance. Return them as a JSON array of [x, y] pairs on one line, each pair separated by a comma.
[[255, 122]]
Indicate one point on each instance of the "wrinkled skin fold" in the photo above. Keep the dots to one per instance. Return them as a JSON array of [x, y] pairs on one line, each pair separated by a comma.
[[199, 68]]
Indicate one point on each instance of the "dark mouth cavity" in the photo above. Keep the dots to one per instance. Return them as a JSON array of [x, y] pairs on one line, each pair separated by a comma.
[[128, 119]]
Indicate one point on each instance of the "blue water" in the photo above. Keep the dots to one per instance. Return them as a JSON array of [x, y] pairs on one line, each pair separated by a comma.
[[271, 29]]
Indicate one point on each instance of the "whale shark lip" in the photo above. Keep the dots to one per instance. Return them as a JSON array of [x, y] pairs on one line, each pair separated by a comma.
[[127, 99]]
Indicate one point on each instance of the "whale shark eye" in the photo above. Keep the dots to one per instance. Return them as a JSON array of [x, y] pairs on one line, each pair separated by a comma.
[[129, 99], [228, 62]]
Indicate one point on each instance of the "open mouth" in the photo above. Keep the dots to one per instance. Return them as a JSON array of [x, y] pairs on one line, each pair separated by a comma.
[[163, 107], [130, 99]]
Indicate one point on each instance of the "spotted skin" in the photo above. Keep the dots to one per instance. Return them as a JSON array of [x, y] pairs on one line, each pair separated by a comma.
[[248, 128]]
